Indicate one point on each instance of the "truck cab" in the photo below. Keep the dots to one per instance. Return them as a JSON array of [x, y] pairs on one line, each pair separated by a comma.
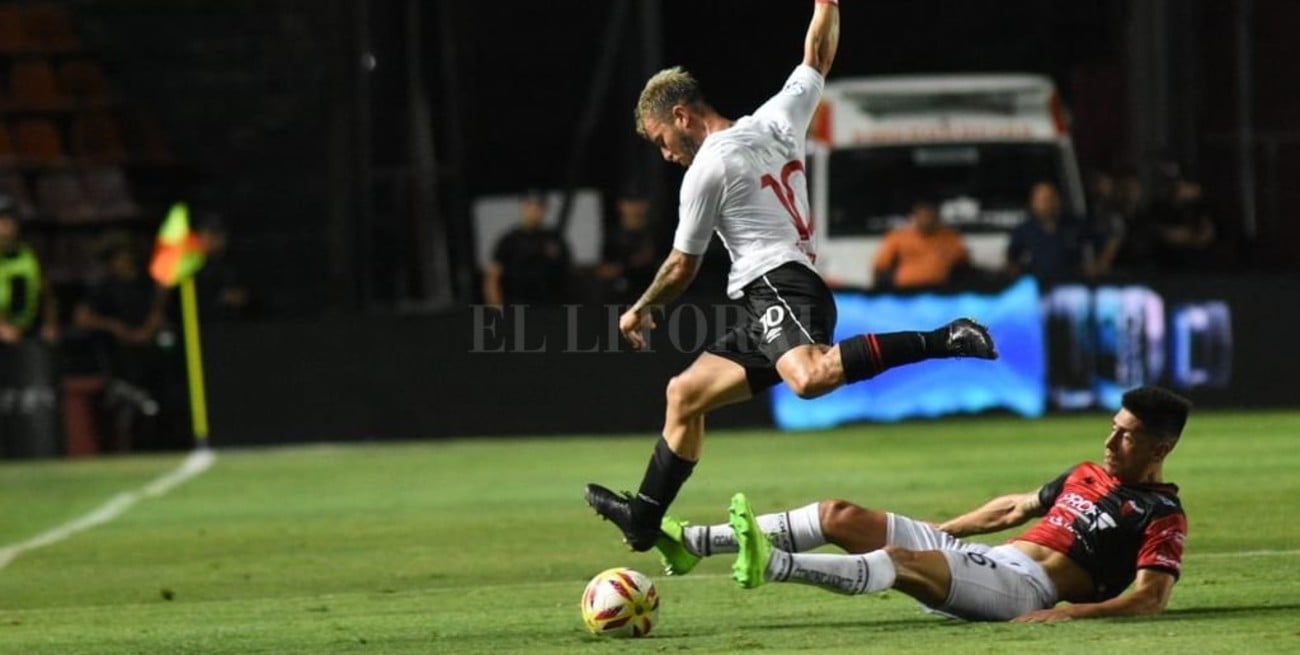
[[973, 143]]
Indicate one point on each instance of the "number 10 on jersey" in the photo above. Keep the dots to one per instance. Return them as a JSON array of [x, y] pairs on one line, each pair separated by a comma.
[[785, 195]]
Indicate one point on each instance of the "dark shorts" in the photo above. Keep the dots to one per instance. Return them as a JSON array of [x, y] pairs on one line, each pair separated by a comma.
[[786, 307]]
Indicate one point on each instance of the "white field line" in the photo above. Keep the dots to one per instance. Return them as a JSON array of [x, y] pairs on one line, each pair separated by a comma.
[[197, 462]]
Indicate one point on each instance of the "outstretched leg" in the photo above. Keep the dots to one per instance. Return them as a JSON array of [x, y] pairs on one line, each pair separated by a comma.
[[707, 384], [813, 370], [682, 545], [923, 575], [852, 527]]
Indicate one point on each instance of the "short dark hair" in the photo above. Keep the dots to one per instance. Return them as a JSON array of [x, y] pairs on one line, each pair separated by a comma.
[[1163, 413]]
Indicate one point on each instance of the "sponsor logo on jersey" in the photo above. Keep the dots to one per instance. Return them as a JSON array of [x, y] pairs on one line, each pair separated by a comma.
[[1076, 504], [1086, 511], [1101, 521]]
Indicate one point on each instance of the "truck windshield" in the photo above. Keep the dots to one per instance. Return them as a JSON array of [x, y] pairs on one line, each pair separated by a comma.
[[981, 187]]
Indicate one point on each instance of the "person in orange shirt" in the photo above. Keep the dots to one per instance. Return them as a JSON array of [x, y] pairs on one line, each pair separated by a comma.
[[922, 253]]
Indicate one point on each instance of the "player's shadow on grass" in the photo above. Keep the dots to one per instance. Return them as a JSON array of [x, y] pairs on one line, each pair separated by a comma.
[[1181, 614], [865, 624], [922, 620], [1226, 611]]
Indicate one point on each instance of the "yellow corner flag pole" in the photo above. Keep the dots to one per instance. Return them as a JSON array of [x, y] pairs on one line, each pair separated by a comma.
[[194, 362]]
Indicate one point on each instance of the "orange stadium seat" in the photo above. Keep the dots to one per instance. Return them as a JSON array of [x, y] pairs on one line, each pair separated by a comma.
[[49, 27], [37, 142], [32, 85], [13, 38], [7, 155]]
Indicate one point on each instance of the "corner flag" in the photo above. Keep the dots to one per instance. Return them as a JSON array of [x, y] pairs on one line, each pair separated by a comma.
[[177, 256]]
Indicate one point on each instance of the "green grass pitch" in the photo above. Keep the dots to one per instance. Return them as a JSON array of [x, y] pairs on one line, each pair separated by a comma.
[[484, 546]]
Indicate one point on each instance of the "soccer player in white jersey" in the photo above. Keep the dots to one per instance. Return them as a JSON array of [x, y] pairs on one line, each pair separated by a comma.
[[745, 181]]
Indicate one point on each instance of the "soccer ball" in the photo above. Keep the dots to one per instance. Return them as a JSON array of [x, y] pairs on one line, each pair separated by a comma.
[[620, 602]]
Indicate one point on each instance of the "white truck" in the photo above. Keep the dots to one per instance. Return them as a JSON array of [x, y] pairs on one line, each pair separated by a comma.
[[973, 143]]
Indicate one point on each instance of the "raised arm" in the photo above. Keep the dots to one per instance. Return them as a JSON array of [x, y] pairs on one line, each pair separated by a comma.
[[996, 515], [823, 36]]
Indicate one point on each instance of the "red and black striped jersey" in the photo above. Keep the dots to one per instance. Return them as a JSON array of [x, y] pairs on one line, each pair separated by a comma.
[[1109, 528]]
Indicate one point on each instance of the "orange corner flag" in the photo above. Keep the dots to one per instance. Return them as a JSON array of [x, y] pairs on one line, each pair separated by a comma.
[[178, 253]]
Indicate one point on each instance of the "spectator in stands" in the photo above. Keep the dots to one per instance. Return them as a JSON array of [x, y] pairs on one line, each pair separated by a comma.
[[1048, 243], [922, 253], [1130, 197], [530, 264], [25, 300], [1131, 201], [222, 295], [1104, 235], [126, 311], [629, 261], [1182, 225]]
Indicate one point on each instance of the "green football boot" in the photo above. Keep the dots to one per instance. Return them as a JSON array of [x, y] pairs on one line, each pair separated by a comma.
[[755, 551], [676, 558]]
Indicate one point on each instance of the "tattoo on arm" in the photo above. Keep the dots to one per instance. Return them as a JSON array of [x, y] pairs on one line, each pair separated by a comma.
[[674, 275]]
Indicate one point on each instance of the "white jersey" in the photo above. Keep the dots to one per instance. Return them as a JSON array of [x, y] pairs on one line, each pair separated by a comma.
[[747, 183]]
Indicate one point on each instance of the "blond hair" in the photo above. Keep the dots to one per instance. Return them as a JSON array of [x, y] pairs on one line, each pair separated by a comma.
[[666, 89]]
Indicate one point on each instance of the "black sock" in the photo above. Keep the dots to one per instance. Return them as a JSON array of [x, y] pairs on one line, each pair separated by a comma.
[[868, 355], [664, 477]]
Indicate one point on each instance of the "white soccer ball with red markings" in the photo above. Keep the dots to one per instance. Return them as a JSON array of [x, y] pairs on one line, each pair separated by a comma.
[[620, 602]]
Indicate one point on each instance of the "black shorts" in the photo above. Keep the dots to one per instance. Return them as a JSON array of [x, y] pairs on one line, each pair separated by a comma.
[[786, 307]]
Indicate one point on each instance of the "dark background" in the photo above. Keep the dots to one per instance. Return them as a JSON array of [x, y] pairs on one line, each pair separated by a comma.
[[424, 378], [344, 142], [348, 187]]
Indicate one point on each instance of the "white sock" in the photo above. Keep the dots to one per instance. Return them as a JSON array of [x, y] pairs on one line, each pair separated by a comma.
[[846, 574], [794, 531], [805, 529], [881, 572], [706, 540]]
